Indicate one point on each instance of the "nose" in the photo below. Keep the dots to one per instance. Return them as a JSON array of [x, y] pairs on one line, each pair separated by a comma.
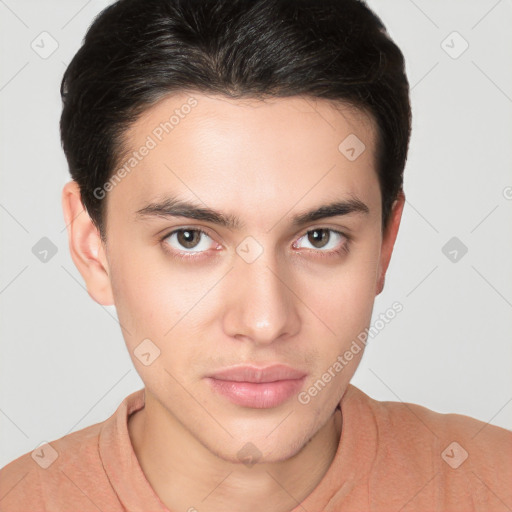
[[262, 307]]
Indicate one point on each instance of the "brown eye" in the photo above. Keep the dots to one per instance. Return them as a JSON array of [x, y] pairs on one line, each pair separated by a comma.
[[323, 240], [188, 238], [319, 237]]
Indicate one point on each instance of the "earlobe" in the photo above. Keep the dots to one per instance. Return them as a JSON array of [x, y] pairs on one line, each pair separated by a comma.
[[388, 240], [85, 246]]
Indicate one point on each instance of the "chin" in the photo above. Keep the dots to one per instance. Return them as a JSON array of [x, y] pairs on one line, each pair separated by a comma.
[[260, 449]]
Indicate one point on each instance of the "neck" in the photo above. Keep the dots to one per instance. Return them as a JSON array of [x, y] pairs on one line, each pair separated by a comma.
[[187, 476]]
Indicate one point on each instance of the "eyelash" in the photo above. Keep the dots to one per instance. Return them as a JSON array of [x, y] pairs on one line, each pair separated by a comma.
[[343, 249]]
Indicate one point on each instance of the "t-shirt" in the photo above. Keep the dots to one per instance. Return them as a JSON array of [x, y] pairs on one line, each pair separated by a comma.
[[392, 456]]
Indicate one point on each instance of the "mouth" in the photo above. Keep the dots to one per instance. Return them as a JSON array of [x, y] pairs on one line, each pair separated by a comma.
[[257, 388]]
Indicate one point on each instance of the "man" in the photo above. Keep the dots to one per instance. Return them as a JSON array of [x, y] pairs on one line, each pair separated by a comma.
[[237, 192]]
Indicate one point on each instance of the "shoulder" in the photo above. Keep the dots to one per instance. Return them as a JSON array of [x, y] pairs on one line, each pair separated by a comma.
[[483, 441], [50, 470], [70, 473], [456, 456], [418, 422]]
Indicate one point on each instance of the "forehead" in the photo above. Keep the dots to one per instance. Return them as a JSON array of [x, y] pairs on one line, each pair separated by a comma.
[[246, 152]]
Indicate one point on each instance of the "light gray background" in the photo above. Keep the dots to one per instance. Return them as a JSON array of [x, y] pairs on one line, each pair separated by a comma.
[[64, 364]]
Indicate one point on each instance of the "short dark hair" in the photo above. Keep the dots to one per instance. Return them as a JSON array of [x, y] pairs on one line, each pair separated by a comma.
[[138, 51]]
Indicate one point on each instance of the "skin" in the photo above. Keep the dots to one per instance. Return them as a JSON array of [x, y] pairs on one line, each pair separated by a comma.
[[263, 161]]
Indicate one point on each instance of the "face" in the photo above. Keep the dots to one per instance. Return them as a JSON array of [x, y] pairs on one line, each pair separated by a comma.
[[243, 300]]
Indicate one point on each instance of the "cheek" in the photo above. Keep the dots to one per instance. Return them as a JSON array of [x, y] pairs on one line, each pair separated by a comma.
[[148, 301], [343, 295], [152, 305], [157, 299]]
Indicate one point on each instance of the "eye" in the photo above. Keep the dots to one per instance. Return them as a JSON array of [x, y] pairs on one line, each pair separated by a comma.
[[188, 240], [194, 242], [322, 239]]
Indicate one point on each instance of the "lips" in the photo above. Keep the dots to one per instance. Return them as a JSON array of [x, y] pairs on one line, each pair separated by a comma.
[[254, 374], [257, 387]]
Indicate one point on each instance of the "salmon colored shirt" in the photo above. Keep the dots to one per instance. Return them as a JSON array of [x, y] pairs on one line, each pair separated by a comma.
[[392, 456]]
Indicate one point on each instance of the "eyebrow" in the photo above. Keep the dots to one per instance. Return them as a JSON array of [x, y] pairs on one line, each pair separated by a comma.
[[173, 207]]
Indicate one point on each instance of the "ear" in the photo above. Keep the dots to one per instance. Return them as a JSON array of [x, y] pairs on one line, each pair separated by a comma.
[[388, 239], [86, 247]]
